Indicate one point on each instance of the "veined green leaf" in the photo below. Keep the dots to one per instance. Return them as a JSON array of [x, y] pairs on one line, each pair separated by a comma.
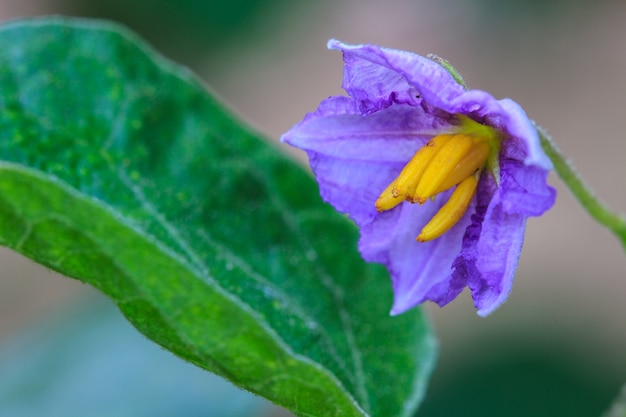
[[119, 169]]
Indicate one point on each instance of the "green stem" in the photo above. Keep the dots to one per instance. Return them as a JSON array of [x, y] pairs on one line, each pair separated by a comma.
[[610, 219]]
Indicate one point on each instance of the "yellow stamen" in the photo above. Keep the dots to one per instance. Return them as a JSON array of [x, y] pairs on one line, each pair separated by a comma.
[[387, 200], [452, 211], [474, 160], [412, 172], [447, 160], [450, 154]]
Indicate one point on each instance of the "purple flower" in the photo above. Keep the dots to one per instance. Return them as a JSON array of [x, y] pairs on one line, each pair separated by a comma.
[[411, 153]]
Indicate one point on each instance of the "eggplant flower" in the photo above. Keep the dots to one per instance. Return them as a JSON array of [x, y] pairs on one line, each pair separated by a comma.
[[440, 179]]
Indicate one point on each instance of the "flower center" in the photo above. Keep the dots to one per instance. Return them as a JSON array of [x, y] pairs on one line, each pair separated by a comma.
[[446, 161]]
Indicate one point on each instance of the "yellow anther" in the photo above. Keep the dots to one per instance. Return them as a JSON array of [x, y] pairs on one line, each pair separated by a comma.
[[447, 160], [444, 161], [410, 175], [452, 211], [386, 200], [474, 160]]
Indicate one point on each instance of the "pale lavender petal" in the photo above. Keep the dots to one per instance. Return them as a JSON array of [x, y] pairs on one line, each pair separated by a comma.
[[498, 252], [491, 249], [337, 129], [419, 271], [524, 189], [504, 115], [372, 73], [519, 126], [353, 156], [349, 186]]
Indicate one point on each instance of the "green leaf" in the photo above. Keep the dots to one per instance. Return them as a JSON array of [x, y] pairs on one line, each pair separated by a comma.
[[120, 170]]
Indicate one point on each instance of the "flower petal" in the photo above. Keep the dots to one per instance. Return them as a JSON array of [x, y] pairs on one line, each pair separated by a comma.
[[518, 125], [377, 76], [353, 156], [524, 189], [373, 74], [491, 249], [419, 271], [339, 130], [504, 115], [349, 186]]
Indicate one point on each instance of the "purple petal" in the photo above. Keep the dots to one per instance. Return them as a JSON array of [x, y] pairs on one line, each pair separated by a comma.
[[372, 74], [507, 116], [504, 115], [498, 253], [419, 271], [491, 249], [338, 129], [353, 156], [349, 186], [519, 126], [524, 189]]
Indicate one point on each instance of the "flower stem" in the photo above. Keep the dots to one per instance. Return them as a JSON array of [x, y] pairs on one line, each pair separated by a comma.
[[608, 218]]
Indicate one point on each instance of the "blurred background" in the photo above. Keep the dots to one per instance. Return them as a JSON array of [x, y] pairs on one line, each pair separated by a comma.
[[556, 348]]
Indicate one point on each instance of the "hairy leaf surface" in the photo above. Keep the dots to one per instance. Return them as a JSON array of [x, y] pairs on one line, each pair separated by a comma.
[[119, 169]]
